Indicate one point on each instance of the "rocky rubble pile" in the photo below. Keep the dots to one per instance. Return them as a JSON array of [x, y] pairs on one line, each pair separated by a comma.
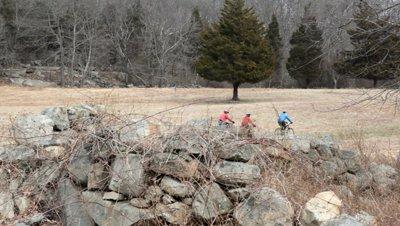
[[80, 166], [43, 76]]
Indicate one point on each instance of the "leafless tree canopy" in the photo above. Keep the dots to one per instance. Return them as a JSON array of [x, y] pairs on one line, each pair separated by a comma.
[[150, 40]]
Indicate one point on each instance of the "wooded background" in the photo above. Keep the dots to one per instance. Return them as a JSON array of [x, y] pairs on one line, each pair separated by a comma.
[[155, 41]]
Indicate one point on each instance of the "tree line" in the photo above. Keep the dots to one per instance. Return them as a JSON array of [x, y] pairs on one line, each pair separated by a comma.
[[286, 43]]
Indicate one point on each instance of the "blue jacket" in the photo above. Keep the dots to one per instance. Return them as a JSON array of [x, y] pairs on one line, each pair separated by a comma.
[[283, 117]]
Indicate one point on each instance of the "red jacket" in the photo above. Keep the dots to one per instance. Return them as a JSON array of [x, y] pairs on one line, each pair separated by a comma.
[[247, 121]]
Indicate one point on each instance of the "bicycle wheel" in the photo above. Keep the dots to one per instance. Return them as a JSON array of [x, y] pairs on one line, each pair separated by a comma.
[[278, 132], [289, 132]]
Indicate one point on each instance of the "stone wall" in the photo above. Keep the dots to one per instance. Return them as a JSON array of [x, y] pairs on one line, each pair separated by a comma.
[[82, 166]]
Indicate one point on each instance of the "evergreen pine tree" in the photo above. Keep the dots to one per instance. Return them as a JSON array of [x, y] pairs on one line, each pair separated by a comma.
[[236, 49], [376, 47], [276, 43], [305, 55]]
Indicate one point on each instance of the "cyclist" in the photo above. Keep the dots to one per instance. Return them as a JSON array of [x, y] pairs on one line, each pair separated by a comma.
[[246, 129], [284, 120], [247, 122], [225, 119]]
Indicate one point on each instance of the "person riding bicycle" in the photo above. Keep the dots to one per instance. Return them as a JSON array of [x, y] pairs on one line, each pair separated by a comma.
[[284, 120], [246, 128], [247, 122], [225, 119]]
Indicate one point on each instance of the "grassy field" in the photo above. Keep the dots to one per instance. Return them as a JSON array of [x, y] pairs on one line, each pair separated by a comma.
[[314, 111]]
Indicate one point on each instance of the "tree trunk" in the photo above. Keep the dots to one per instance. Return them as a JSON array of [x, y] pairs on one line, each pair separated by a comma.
[[127, 71], [88, 60], [278, 72], [375, 82], [308, 82], [62, 74], [61, 43], [335, 81], [72, 64], [235, 91]]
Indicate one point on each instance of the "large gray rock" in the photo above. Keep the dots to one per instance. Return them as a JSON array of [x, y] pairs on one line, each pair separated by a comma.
[[343, 220], [52, 152], [332, 168], [265, 207], [114, 196], [324, 152], [188, 201], [326, 145], [12, 154], [6, 205], [176, 213], [344, 192], [36, 218], [22, 203], [128, 175], [176, 188], [82, 111], [17, 80], [167, 199], [329, 169], [106, 213], [79, 166], [312, 155], [174, 165], [59, 115], [14, 184], [362, 180], [320, 209], [153, 194], [72, 206], [384, 177], [186, 142], [341, 165], [277, 152], [366, 219], [300, 144], [351, 159], [98, 176], [46, 174], [239, 194], [33, 130], [13, 72], [237, 152], [4, 178], [234, 173], [21, 224], [64, 138], [38, 83], [140, 203], [210, 202], [132, 131]]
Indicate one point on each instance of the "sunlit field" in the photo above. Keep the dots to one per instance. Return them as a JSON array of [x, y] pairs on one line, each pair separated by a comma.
[[314, 111]]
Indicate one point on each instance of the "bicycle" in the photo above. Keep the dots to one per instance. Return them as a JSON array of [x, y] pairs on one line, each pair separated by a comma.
[[284, 131], [224, 125]]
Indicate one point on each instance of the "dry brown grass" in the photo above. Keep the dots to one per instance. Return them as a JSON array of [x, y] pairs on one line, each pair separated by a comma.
[[379, 125]]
